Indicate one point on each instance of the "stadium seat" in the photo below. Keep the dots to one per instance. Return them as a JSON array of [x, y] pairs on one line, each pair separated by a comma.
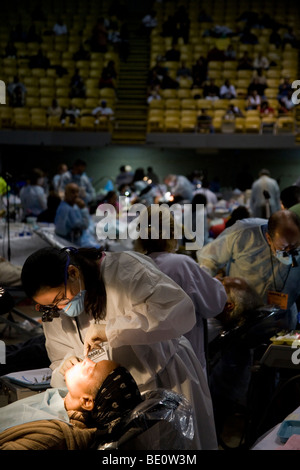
[[252, 125]]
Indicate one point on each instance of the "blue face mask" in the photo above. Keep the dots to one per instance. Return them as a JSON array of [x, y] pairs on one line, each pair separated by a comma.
[[76, 306]]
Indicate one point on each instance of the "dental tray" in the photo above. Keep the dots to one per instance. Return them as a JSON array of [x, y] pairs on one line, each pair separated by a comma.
[[36, 379], [287, 429]]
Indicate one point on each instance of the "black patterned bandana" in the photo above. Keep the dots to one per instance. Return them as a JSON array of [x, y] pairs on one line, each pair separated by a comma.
[[118, 395]]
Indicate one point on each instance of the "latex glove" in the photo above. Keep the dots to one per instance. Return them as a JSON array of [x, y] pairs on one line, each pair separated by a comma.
[[68, 363], [94, 336]]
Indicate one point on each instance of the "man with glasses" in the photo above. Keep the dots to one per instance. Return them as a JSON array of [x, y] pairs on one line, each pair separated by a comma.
[[263, 252]]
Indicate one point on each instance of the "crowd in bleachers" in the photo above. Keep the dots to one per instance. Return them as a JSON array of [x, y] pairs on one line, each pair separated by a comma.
[[70, 54], [225, 52]]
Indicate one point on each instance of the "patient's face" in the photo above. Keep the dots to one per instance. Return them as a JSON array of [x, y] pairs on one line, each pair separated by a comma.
[[84, 378]]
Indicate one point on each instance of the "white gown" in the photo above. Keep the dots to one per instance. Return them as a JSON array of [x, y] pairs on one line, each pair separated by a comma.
[[147, 314]]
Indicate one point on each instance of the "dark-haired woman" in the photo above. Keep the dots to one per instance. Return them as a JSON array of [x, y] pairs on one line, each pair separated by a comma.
[[143, 315]]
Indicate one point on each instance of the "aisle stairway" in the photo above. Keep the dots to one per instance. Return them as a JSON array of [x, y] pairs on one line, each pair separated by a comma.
[[131, 107]]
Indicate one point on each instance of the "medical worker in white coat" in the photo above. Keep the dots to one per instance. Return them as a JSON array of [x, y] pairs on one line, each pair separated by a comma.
[[207, 293], [135, 309], [263, 252]]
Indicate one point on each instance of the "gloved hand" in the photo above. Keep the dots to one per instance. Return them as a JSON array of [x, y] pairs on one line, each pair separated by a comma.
[[95, 335], [68, 363]]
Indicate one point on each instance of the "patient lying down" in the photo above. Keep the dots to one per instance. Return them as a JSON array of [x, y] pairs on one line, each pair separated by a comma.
[[98, 396]]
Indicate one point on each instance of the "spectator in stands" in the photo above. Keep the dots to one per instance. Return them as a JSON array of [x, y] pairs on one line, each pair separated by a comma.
[[245, 62], [199, 72], [247, 37], [103, 110], [266, 109], [286, 103], [32, 35], [60, 28], [204, 122], [169, 27], [227, 90], [78, 175], [173, 54], [39, 61], [289, 37], [77, 86], [108, 75], [70, 115], [149, 21], [264, 192], [16, 92], [215, 54], [183, 70], [230, 53], [233, 111], [256, 85], [152, 175], [99, 36], [10, 50], [275, 38], [182, 22], [169, 82], [284, 88], [253, 100], [32, 195], [261, 62], [180, 187], [211, 90], [154, 95], [54, 109]]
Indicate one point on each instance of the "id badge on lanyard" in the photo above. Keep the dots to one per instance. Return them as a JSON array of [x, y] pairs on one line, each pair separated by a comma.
[[278, 298]]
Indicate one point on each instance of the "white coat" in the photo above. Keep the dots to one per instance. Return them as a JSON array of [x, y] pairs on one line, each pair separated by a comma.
[[207, 293], [244, 251], [257, 199], [147, 314]]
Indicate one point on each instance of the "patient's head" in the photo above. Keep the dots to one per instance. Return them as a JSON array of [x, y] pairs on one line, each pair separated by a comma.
[[241, 299], [105, 390], [83, 381]]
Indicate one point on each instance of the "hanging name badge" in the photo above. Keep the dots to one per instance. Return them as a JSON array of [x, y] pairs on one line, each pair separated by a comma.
[[278, 298], [97, 355]]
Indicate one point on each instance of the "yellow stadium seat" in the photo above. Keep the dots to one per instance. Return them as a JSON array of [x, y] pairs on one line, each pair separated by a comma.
[[221, 104], [32, 101], [6, 116], [230, 65], [39, 121], [155, 124], [172, 124], [107, 93], [53, 122], [168, 93], [47, 91], [22, 122], [45, 101], [202, 103], [285, 125], [172, 103], [215, 65], [185, 83], [239, 124], [188, 104], [188, 124], [241, 104], [252, 125], [268, 125], [157, 104], [38, 73], [87, 123], [191, 113], [63, 102], [184, 93], [62, 92], [78, 102], [217, 123], [271, 93]]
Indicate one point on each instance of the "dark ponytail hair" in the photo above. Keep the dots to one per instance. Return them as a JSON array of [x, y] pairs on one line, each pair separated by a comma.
[[47, 268]]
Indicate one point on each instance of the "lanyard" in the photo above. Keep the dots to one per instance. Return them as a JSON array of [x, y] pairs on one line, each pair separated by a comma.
[[274, 275]]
